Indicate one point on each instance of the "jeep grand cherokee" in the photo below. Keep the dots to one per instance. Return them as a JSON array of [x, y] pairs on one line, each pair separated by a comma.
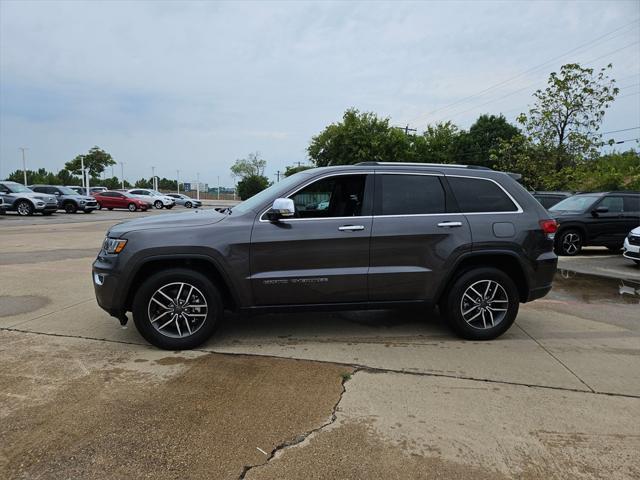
[[372, 235]]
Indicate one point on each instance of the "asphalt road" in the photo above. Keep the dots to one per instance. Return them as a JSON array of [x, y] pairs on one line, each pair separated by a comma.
[[384, 394]]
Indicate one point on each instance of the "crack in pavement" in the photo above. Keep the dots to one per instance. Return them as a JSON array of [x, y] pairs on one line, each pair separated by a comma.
[[303, 436], [47, 314], [355, 366], [556, 358]]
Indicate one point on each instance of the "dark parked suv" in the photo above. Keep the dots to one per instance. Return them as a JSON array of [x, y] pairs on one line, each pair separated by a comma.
[[372, 235], [596, 219], [68, 200]]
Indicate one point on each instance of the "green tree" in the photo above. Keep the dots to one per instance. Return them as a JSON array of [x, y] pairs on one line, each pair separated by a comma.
[[144, 183], [567, 114], [249, 186], [359, 137], [252, 166], [614, 171], [437, 144], [484, 136], [96, 160], [531, 160]]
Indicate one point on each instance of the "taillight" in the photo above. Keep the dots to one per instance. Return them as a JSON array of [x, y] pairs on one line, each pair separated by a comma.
[[549, 227]]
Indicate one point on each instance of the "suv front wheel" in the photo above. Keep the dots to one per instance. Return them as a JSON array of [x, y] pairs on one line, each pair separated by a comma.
[[482, 304], [177, 309]]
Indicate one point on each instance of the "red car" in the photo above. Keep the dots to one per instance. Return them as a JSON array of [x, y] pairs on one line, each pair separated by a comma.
[[111, 200]]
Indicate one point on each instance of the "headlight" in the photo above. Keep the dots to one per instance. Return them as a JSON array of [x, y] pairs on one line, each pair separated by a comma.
[[82, 202], [113, 245], [40, 204]]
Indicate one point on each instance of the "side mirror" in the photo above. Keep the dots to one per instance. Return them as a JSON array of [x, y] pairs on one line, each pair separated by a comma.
[[282, 208], [599, 210]]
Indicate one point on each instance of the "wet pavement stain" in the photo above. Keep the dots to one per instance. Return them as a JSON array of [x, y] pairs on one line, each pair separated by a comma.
[[16, 305]]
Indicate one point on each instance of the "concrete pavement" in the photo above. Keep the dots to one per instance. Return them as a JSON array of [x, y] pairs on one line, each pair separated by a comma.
[[558, 396]]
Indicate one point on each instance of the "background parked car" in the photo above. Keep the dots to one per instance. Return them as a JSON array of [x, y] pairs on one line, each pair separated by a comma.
[[185, 200], [3, 206], [600, 219], [631, 248], [68, 200], [549, 199], [98, 189], [157, 199], [25, 201], [112, 199], [77, 189]]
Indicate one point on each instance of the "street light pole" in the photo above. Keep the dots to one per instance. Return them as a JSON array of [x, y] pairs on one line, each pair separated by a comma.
[[218, 187], [153, 178], [24, 165], [122, 174], [178, 180], [84, 183], [198, 186]]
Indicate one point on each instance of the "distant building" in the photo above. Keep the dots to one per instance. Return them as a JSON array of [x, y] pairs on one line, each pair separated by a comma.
[[192, 186]]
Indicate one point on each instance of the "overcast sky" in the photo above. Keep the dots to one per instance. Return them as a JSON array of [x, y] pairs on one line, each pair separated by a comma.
[[195, 85]]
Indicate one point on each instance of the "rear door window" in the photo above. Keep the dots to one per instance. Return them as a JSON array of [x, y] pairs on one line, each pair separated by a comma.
[[478, 195], [632, 203], [614, 204], [409, 194]]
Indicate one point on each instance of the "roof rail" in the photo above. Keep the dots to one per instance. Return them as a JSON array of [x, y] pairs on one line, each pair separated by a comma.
[[420, 164]]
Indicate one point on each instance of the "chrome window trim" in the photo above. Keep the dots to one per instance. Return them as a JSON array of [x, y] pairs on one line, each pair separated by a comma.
[[313, 180], [434, 174]]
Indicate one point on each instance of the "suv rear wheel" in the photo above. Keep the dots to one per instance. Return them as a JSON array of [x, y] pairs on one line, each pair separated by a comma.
[[569, 243], [70, 207], [177, 309], [482, 304]]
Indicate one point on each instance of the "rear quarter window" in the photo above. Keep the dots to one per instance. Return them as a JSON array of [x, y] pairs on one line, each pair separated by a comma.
[[477, 195]]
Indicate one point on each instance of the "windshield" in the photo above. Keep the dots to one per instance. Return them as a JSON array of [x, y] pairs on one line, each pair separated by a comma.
[[67, 191], [17, 188], [155, 192], [578, 203], [274, 191]]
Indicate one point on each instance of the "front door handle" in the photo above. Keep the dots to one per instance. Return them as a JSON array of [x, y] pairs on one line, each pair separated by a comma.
[[449, 224], [351, 228]]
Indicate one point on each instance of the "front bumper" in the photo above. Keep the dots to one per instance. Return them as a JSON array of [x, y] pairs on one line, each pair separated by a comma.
[[106, 281], [632, 252]]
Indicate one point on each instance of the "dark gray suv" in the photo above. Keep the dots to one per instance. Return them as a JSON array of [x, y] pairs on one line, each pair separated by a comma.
[[472, 241]]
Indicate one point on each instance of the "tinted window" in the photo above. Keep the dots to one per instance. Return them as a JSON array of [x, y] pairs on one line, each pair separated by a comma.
[[478, 195], [339, 196], [614, 204], [138, 192], [632, 203], [577, 203], [410, 195]]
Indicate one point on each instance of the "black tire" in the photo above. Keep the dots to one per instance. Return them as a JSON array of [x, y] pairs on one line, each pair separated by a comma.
[[637, 262], [99, 206], [24, 208], [569, 242], [188, 204], [165, 279], [169, 207], [132, 207], [70, 207], [88, 210], [158, 204], [109, 208], [457, 302]]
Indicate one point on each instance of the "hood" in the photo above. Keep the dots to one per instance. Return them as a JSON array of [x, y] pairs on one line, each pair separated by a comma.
[[82, 197], [636, 231], [168, 220]]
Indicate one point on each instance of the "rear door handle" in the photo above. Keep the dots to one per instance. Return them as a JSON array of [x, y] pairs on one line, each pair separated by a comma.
[[351, 228], [449, 224]]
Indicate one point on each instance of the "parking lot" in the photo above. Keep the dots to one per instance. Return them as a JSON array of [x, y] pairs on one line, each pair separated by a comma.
[[382, 394]]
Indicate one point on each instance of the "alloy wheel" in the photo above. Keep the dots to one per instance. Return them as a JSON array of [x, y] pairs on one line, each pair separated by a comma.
[[24, 208], [571, 243], [484, 304], [177, 310]]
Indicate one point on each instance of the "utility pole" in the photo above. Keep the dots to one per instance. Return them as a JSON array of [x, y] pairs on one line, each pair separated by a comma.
[[198, 185], [84, 183], [278, 176], [153, 178], [88, 176], [407, 130], [122, 174], [178, 180], [112, 175], [24, 165], [218, 187]]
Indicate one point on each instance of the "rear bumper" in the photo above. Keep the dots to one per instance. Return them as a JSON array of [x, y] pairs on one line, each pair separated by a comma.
[[544, 269]]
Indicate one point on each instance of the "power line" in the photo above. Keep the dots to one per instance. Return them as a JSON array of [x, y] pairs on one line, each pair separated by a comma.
[[527, 87], [623, 130], [481, 92]]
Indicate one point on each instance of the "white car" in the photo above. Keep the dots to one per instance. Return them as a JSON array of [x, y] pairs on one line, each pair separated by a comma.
[[153, 197], [631, 247]]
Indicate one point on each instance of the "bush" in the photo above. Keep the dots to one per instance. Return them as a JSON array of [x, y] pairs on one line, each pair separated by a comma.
[[249, 186]]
